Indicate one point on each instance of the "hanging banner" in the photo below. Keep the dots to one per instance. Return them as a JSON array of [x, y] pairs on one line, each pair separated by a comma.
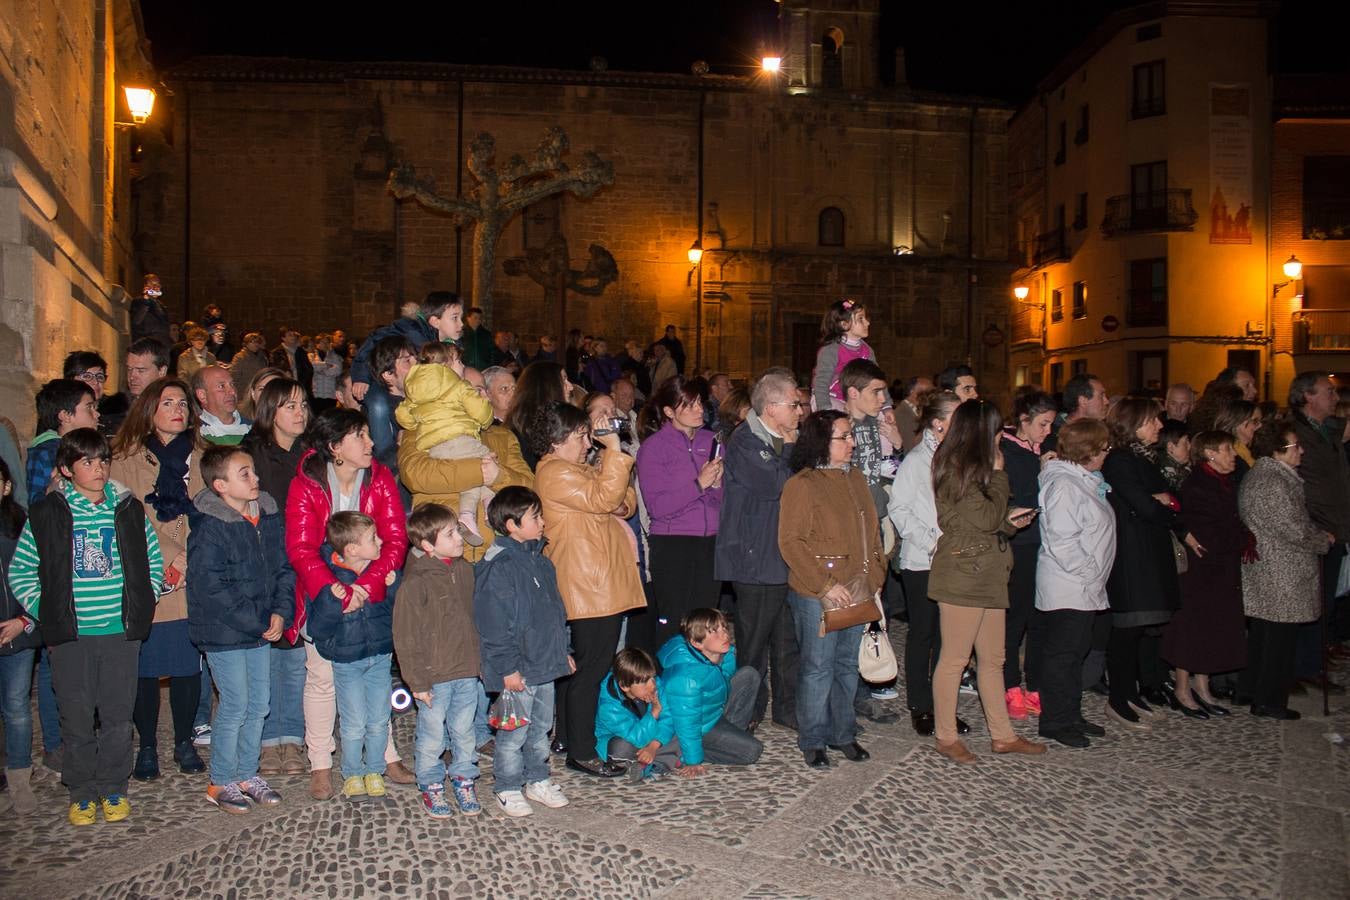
[[1230, 163]]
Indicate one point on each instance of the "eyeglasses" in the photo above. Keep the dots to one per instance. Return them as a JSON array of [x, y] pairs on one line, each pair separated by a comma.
[[795, 404], [1290, 446], [842, 437], [92, 376]]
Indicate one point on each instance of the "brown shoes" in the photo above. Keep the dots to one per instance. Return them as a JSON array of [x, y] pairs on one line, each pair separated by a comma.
[[293, 759], [1018, 745], [398, 773], [956, 751], [321, 784], [269, 763]]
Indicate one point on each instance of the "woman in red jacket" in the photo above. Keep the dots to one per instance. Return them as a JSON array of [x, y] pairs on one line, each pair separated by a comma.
[[338, 473]]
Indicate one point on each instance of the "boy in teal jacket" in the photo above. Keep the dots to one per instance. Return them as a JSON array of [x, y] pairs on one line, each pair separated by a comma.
[[632, 723]]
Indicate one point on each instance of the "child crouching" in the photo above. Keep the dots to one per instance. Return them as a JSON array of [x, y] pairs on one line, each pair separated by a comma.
[[87, 568], [357, 638], [241, 591], [632, 724], [437, 650], [522, 633]]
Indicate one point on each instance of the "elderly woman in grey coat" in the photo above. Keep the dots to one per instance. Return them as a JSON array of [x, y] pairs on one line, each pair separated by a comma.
[[1279, 590]]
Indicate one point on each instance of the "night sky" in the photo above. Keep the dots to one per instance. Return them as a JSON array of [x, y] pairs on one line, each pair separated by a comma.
[[995, 51]]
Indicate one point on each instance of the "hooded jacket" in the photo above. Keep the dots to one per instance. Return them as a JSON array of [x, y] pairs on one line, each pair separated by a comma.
[[621, 717], [1077, 539], [344, 637], [913, 508], [522, 625], [695, 693], [434, 634], [439, 405], [41, 463], [238, 576], [752, 486], [414, 328]]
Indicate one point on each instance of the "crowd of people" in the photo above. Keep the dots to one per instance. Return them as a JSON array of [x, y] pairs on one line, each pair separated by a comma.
[[611, 559]]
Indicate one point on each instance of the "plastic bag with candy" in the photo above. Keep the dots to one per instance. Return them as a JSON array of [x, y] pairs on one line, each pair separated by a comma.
[[507, 712]]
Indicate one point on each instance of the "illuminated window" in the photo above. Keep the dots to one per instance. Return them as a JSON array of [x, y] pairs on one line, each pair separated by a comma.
[[1080, 299], [1056, 305]]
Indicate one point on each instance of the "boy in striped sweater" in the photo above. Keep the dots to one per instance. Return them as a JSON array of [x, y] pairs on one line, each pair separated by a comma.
[[88, 569]]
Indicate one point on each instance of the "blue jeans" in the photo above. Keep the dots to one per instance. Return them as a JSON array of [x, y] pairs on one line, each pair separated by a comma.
[[522, 755], [285, 722], [481, 733], [827, 679], [16, 686], [48, 715], [204, 705], [452, 710], [363, 705], [244, 683]]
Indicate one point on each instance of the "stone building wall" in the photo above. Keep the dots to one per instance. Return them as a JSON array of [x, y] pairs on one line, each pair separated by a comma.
[[287, 220]]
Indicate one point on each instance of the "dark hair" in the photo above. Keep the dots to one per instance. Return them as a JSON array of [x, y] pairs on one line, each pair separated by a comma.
[[215, 462], [435, 303], [551, 424], [81, 361], [698, 623], [60, 395], [539, 384], [1173, 431], [1234, 413], [1083, 439], [386, 353], [346, 528], [139, 423], [1270, 437], [1128, 415], [813, 439], [1229, 375], [910, 384], [837, 319], [965, 458], [153, 348], [1304, 383], [946, 379], [858, 374], [12, 515], [473, 310], [1208, 440], [1079, 387], [1030, 404], [427, 521], [274, 393], [512, 504], [731, 411], [936, 405], [328, 428], [82, 443], [1217, 394], [633, 665], [676, 392]]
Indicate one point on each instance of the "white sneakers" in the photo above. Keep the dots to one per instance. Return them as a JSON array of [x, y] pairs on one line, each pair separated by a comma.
[[546, 793]]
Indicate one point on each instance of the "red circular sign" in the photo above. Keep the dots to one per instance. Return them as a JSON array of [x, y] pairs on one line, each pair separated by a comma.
[[1110, 323]]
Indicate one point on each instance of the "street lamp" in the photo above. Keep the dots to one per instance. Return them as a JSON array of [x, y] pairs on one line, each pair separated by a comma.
[[141, 101], [1293, 271], [695, 253], [1021, 291], [771, 64]]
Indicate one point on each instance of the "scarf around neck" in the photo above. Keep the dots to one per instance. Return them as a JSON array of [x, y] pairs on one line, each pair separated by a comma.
[[170, 497]]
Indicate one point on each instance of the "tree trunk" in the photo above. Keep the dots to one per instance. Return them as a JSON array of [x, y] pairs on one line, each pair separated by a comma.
[[485, 237]]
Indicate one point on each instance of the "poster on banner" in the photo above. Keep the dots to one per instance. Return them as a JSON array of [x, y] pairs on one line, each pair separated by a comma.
[[1230, 163]]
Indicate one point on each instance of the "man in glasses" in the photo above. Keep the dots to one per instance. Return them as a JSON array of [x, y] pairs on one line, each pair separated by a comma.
[[91, 368], [747, 554]]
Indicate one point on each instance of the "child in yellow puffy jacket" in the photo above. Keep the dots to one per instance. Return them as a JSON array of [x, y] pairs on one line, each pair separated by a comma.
[[446, 415]]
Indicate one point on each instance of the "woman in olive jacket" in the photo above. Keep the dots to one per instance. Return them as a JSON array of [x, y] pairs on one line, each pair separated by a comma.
[[969, 576]]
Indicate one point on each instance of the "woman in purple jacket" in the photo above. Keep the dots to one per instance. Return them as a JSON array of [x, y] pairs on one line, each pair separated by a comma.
[[681, 485]]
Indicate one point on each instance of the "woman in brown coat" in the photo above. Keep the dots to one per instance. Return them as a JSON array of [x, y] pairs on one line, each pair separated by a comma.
[[830, 540], [155, 456], [969, 578], [596, 559]]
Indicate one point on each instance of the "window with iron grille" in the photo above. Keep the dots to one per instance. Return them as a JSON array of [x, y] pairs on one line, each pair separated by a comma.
[[1080, 299]]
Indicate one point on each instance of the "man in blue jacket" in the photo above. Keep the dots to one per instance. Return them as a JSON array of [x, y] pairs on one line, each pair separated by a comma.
[[709, 699], [756, 469]]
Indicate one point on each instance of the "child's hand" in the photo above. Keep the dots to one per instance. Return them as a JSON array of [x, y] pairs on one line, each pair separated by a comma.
[[571, 664], [490, 469], [424, 696], [513, 682], [357, 601], [692, 771], [274, 630], [339, 590], [390, 579]]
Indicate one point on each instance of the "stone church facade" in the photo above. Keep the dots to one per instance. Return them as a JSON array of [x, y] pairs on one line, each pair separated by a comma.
[[268, 196]]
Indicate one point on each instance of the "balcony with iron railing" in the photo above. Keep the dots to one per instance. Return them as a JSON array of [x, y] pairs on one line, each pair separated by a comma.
[[1321, 331], [1168, 210], [1050, 247], [1026, 324]]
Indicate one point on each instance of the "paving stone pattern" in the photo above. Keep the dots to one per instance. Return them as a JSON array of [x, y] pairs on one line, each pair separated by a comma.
[[1235, 808]]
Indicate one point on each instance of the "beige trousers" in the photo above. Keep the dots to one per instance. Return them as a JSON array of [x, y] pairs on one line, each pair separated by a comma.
[[965, 628], [321, 713]]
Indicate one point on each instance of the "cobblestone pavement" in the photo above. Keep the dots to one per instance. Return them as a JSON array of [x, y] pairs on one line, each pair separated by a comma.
[[1235, 808]]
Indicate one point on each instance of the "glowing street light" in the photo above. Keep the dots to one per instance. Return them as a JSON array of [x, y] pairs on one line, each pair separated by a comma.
[[1293, 269], [141, 101], [1021, 292], [771, 64], [695, 253]]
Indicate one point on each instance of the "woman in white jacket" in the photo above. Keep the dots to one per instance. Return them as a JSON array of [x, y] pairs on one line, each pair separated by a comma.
[[913, 511], [1078, 546]]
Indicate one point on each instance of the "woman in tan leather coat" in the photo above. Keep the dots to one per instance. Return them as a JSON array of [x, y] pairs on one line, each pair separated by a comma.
[[596, 558], [155, 456]]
